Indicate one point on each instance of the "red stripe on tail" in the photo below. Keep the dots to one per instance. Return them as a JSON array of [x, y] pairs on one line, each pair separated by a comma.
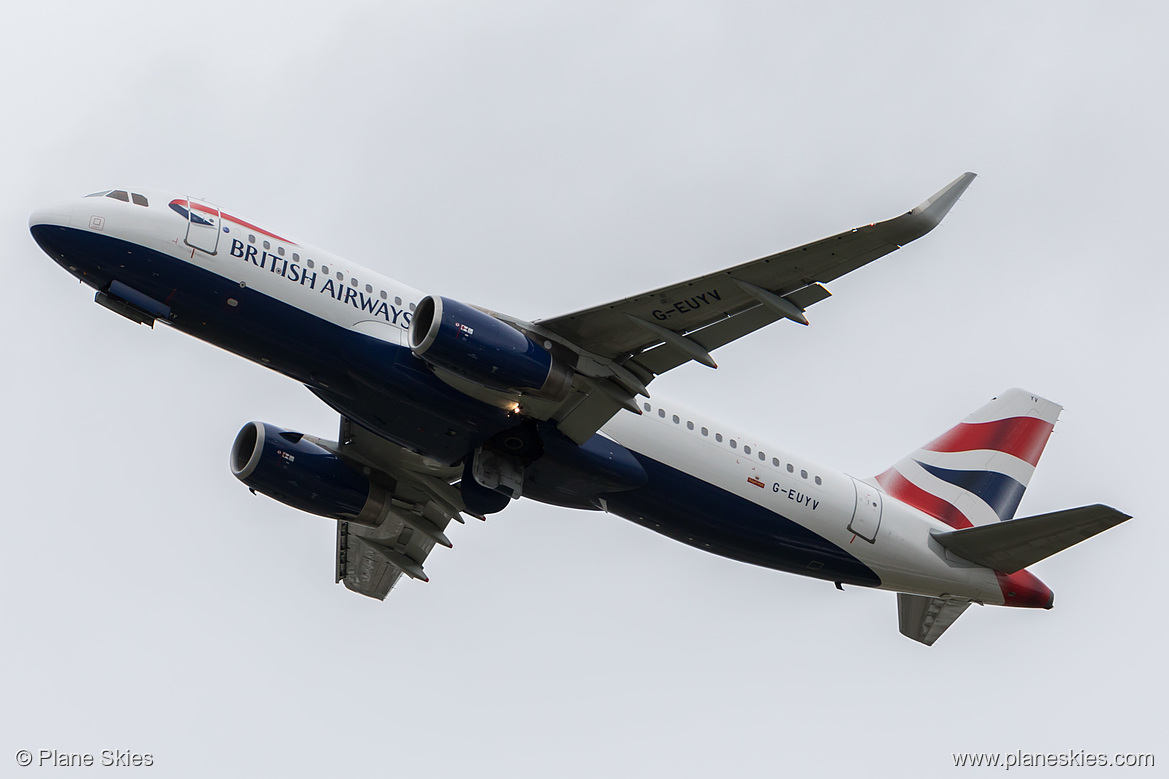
[[897, 486], [1022, 437]]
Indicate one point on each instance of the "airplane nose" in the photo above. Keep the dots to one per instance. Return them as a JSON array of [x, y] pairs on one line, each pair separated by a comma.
[[49, 229], [57, 214]]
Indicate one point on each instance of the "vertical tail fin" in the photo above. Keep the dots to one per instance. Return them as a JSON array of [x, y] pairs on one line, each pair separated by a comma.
[[976, 472]]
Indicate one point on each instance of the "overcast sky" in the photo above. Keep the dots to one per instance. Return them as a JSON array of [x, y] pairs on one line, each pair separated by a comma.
[[537, 159]]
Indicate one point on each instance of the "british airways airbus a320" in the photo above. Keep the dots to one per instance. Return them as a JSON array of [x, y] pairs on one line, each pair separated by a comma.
[[450, 409]]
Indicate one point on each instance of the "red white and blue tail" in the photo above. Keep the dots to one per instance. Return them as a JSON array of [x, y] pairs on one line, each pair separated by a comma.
[[976, 472]]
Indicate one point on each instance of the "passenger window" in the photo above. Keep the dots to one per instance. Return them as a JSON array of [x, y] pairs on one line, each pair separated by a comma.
[[383, 294], [676, 419], [803, 474], [325, 269], [340, 276], [762, 457], [267, 245], [295, 257], [120, 194], [411, 306], [280, 250], [251, 238], [775, 462], [746, 450], [819, 480], [138, 199], [718, 437], [790, 468], [734, 444], [662, 413], [368, 289], [689, 425], [705, 431], [352, 282], [645, 406], [397, 301]]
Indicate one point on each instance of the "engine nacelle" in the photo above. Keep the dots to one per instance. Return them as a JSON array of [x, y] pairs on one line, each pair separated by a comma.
[[478, 347], [286, 467]]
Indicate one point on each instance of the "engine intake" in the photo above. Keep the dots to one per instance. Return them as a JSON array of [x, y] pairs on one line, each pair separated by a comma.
[[475, 345], [286, 467]]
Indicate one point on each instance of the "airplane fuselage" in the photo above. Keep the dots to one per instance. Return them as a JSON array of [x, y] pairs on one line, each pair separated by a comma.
[[341, 329]]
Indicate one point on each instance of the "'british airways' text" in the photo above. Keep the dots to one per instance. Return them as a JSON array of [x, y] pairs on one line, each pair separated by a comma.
[[298, 274]]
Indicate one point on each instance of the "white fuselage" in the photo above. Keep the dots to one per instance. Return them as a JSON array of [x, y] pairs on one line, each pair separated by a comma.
[[823, 501]]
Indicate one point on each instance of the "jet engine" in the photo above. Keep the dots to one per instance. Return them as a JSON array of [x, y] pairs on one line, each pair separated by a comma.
[[289, 468], [483, 349]]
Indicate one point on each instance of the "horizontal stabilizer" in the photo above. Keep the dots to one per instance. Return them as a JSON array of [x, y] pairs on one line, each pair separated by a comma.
[[1015, 544], [925, 619]]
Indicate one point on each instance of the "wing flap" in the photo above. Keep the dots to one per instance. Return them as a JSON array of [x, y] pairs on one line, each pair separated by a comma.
[[664, 357], [586, 417], [360, 568], [371, 560]]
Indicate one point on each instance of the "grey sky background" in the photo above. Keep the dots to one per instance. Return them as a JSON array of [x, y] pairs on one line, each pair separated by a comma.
[[541, 158]]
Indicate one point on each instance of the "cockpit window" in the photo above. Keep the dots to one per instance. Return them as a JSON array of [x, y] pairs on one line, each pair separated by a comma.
[[103, 193], [139, 200], [120, 194]]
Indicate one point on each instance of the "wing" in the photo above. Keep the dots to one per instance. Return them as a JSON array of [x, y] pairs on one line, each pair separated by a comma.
[[420, 504], [622, 345]]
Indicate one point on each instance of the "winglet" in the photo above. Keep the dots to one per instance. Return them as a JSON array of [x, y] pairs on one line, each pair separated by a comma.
[[930, 213], [917, 222]]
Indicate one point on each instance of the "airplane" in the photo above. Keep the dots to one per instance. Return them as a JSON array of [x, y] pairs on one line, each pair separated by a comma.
[[449, 409]]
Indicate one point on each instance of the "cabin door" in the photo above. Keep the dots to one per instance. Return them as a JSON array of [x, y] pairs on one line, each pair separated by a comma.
[[866, 515], [203, 226]]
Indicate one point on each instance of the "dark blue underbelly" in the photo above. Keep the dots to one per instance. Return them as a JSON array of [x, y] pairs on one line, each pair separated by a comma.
[[702, 515]]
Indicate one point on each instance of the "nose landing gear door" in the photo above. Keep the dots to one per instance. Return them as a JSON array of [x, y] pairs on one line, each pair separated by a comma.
[[203, 226]]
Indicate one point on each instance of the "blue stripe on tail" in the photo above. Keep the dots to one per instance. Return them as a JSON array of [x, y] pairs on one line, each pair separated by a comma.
[[997, 490]]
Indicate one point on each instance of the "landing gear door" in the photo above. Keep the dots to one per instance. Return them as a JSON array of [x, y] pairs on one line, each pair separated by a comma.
[[203, 226], [866, 515]]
